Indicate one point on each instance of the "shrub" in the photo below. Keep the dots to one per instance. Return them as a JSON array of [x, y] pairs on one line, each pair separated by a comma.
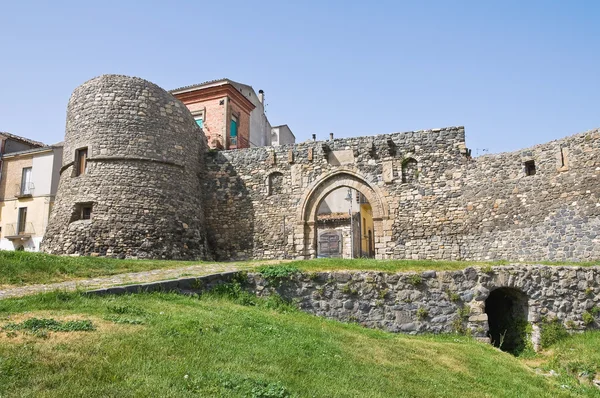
[[277, 272], [320, 291], [242, 386], [234, 291], [588, 318], [464, 311], [312, 275], [552, 332], [415, 280], [486, 269], [458, 325], [422, 313], [453, 296]]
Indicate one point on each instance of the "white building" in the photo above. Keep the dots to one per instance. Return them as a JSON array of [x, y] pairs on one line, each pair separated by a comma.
[[28, 184], [282, 135]]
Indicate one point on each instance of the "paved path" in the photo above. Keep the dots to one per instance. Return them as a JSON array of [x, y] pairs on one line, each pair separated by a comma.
[[126, 279]]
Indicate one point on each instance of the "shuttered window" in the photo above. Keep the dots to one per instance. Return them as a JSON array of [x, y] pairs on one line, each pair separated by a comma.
[[81, 161]]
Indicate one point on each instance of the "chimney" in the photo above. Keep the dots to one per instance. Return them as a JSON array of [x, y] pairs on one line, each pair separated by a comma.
[[314, 137], [331, 136], [261, 96]]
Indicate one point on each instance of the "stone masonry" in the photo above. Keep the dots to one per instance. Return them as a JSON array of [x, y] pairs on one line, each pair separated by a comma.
[[442, 301], [456, 208], [420, 302], [158, 192], [145, 157]]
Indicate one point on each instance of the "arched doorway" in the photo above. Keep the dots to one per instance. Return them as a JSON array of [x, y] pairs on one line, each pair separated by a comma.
[[344, 225], [307, 232], [507, 311]]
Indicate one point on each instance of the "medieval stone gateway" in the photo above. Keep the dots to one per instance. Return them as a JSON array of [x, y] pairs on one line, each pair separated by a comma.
[[139, 181]]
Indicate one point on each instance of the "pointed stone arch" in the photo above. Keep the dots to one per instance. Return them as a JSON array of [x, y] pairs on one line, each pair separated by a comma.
[[305, 237]]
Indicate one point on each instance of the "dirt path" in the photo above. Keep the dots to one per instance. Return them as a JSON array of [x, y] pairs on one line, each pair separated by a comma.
[[124, 279]]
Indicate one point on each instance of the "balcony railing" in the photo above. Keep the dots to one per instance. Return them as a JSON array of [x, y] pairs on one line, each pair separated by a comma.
[[12, 231], [24, 190], [238, 142]]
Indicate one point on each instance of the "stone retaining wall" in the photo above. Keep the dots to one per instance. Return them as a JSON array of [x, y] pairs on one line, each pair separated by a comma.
[[440, 301], [423, 302]]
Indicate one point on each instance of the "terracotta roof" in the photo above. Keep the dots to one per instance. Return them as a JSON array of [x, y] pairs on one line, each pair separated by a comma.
[[333, 216], [224, 80], [22, 139]]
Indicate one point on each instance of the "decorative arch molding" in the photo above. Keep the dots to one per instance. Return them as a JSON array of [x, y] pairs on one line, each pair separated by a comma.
[[306, 230], [411, 155], [343, 177]]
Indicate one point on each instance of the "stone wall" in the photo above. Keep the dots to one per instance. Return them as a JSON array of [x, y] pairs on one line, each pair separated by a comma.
[[441, 301], [157, 191], [454, 208], [420, 302], [552, 215], [142, 181], [246, 220]]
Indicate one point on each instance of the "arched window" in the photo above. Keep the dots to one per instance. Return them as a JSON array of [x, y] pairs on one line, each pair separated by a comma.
[[275, 183], [409, 170]]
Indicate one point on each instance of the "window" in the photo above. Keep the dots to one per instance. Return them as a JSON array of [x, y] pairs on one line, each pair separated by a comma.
[[409, 170], [233, 132], [21, 220], [86, 212], [275, 183], [26, 182], [82, 211], [81, 161], [199, 117], [530, 168]]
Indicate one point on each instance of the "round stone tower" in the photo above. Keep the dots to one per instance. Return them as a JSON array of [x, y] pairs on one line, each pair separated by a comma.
[[130, 183]]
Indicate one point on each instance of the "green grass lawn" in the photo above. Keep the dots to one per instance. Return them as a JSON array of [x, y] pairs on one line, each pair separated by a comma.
[[24, 268], [168, 345], [18, 268], [330, 264]]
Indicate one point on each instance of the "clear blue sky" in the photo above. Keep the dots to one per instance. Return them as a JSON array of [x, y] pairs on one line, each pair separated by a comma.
[[514, 73]]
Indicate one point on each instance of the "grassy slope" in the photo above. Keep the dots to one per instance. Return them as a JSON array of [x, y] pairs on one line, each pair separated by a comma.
[[18, 268], [27, 268], [231, 350], [575, 358], [328, 264]]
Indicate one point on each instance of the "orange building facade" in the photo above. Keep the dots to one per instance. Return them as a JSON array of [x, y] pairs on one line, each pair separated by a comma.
[[221, 111]]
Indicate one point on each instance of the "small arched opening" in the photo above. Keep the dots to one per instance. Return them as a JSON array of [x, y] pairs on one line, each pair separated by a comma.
[[410, 170], [275, 183], [507, 311]]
